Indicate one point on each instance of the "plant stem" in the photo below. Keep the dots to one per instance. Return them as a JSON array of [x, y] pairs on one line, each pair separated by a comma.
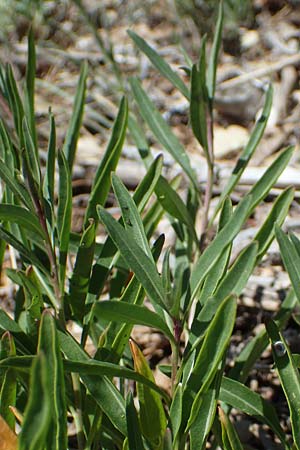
[[175, 357]]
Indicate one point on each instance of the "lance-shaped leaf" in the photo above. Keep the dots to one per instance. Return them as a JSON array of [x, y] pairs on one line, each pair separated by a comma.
[[252, 351], [135, 440], [161, 65], [102, 180], [128, 313], [270, 176], [21, 216], [209, 357], [223, 238], [37, 416], [29, 87], [152, 415], [141, 196], [161, 130], [31, 154], [49, 346], [15, 102], [199, 101], [214, 53], [15, 185], [48, 182], [176, 411], [248, 151], [241, 397], [70, 143], [277, 215], [131, 218], [8, 381], [24, 251], [64, 212], [174, 205], [203, 421], [289, 377], [233, 282], [290, 257], [88, 367], [79, 282], [143, 267], [103, 391]]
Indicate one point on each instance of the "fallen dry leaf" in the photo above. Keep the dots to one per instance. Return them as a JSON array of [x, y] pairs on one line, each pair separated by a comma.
[[8, 439]]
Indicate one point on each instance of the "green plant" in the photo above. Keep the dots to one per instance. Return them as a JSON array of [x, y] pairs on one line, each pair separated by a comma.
[[44, 372]]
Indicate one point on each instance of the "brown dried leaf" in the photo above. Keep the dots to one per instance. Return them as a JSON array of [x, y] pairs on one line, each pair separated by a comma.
[[8, 439]]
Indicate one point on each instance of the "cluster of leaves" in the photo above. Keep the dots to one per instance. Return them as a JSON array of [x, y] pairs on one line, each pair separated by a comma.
[[46, 375]]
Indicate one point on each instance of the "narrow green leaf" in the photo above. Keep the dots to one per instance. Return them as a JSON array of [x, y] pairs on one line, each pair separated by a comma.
[[289, 377], [209, 357], [37, 416], [252, 351], [233, 282], [22, 341], [135, 441], [15, 102], [64, 212], [131, 218], [70, 143], [147, 185], [176, 411], [15, 185], [21, 216], [270, 176], [161, 130], [101, 185], [29, 91], [236, 278], [214, 53], [241, 397], [48, 344], [223, 238], [290, 257], [214, 276], [277, 215], [225, 213], [248, 151], [108, 252], [48, 182], [8, 391], [203, 422], [295, 241], [150, 402], [198, 104], [87, 367], [143, 267], [161, 65], [128, 313], [79, 282], [173, 204], [31, 153], [27, 254], [101, 388]]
